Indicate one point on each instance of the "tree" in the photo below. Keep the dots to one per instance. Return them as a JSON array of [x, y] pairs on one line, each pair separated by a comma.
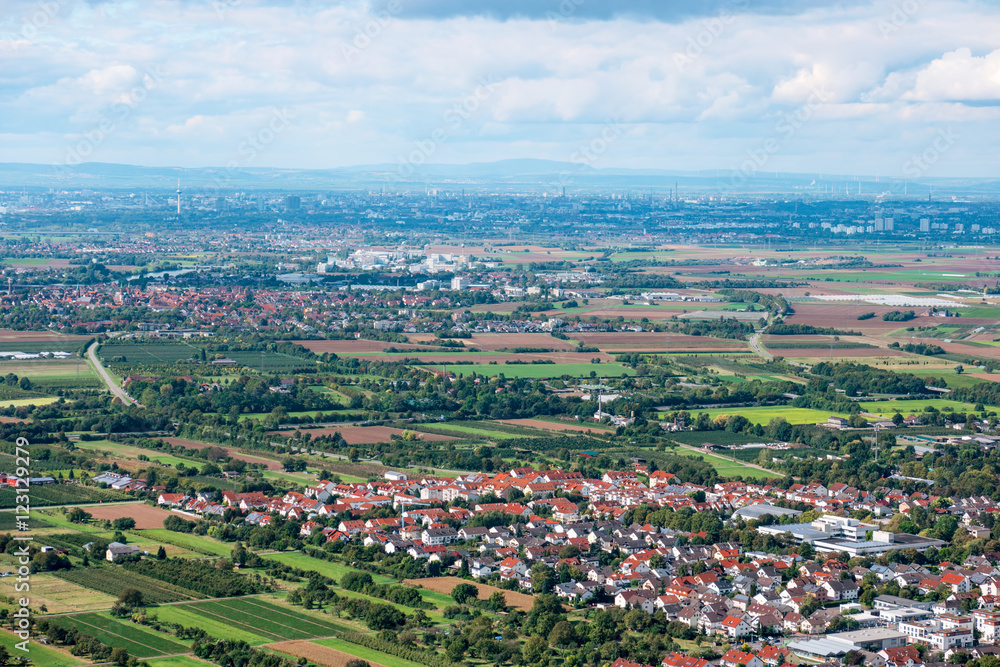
[[131, 597], [534, 651], [77, 515], [120, 656], [463, 592], [563, 635], [497, 601], [161, 553], [569, 551]]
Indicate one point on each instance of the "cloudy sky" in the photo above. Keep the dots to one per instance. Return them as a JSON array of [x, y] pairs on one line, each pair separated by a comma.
[[900, 88]]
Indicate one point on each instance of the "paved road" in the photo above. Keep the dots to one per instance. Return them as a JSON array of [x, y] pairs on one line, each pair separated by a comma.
[[113, 387], [758, 347]]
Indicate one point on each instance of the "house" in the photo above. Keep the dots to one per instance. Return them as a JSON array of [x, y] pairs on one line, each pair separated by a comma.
[[117, 549], [735, 627], [435, 536], [773, 656], [678, 660], [901, 656], [735, 658]]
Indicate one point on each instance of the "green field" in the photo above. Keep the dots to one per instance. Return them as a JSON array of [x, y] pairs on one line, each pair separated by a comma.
[[889, 408], [535, 370], [178, 661], [366, 653], [764, 414], [270, 621], [137, 640], [326, 568], [112, 580], [43, 656], [730, 468], [179, 613], [197, 543], [468, 430]]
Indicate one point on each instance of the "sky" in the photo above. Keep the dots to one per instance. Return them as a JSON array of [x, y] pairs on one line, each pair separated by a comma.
[[899, 88]]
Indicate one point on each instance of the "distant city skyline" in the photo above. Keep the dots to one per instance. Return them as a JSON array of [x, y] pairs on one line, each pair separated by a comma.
[[901, 88]]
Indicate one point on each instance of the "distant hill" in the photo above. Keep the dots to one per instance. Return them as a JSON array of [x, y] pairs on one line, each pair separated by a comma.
[[525, 174]]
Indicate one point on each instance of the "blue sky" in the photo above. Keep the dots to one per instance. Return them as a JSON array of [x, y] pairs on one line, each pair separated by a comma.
[[902, 88]]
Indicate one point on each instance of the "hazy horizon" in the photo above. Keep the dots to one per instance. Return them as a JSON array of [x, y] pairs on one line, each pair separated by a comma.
[[902, 89]]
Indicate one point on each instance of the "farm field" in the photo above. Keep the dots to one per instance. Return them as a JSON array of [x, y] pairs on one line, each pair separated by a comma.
[[178, 661], [764, 414], [113, 580], [908, 407], [462, 430], [536, 371], [198, 543], [61, 596], [337, 652], [136, 639], [145, 516], [42, 656], [366, 435], [445, 585], [272, 621], [730, 468], [327, 568], [552, 425]]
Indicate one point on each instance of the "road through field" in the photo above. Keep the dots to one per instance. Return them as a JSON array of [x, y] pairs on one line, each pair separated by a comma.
[[115, 390]]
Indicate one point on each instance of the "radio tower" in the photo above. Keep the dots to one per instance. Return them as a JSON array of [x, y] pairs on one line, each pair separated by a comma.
[[178, 196]]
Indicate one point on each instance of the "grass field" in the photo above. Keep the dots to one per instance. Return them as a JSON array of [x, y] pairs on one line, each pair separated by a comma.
[[324, 567], [729, 468], [128, 452], [889, 408], [178, 661], [43, 656], [198, 543], [535, 370], [764, 414], [18, 402], [179, 613]]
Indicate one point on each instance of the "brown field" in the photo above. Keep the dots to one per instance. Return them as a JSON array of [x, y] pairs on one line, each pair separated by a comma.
[[11, 420], [845, 316], [639, 341], [144, 515], [992, 377], [557, 357], [270, 464], [447, 584], [972, 351], [367, 435], [553, 426], [491, 342], [824, 352], [314, 653], [7, 336]]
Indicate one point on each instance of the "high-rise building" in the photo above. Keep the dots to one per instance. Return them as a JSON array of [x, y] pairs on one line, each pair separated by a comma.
[[293, 202], [925, 225]]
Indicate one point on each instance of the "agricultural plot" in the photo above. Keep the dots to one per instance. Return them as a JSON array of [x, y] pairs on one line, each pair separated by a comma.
[[468, 431], [445, 585], [137, 640], [219, 628], [337, 653], [537, 371], [326, 568], [61, 596], [43, 656], [114, 580], [197, 543], [764, 414], [265, 619], [730, 468]]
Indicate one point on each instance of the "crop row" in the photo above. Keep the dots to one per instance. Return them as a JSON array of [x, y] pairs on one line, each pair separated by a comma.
[[113, 581]]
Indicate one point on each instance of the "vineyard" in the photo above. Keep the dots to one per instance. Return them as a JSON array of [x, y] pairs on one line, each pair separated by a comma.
[[114, 580]]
